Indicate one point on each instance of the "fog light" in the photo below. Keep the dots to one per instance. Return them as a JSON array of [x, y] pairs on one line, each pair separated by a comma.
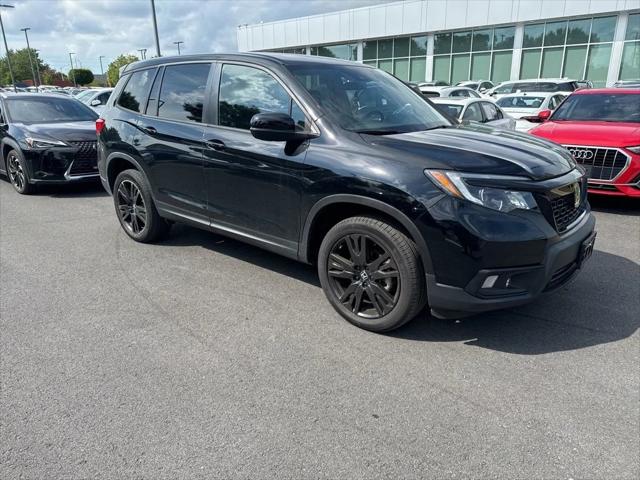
[[490, 281]]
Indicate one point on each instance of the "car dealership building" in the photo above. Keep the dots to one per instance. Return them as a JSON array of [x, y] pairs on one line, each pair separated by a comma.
[[454, 40]]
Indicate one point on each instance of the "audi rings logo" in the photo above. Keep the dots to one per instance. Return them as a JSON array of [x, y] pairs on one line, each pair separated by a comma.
[[581, 153]]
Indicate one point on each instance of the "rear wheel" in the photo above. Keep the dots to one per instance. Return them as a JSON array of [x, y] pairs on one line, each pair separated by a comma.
[[371, 273], [17, 173], [136, 211]]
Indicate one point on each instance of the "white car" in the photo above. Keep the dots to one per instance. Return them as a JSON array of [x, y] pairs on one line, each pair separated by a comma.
[[445, 92], [479, 110], [526, 107], [549, 85], [480, 86], [95, 98]]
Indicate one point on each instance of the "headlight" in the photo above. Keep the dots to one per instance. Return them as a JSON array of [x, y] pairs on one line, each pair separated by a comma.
[[634, 149], [454, 184], [42, 143]]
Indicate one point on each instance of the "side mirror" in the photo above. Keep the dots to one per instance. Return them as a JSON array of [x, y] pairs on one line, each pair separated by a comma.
[[276, 127], [544, 115], [95, 103], [482, 90]]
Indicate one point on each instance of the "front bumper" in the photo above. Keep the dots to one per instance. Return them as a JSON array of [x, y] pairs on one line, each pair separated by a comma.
[[560, 263], [62, 165]]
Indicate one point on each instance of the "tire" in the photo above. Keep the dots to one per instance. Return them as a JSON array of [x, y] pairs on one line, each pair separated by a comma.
[[17, 173], [378, 290], [135, 208]]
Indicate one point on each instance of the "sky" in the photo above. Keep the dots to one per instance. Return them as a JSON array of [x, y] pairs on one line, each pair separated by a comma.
[[91, 28]]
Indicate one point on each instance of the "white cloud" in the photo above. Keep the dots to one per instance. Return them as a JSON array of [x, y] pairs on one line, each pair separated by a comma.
[[91, 28]]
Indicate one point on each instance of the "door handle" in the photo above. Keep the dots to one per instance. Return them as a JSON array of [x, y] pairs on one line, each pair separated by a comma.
[[150, 130], [216, 144]]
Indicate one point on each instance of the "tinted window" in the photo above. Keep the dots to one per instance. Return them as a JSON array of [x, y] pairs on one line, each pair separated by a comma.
[[449, 109], [245, 91], [600, 107], [505, 88], [135, 92], [103, 97], [182, 92], [48, 110], [473, 113], [521, 102], [490, 111], [459, 93]]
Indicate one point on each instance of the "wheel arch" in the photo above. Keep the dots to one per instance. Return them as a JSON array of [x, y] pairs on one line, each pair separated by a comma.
[[332, 209], [118, 162]]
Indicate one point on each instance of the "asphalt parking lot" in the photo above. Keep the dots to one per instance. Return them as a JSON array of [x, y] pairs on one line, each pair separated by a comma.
[[205, 357]]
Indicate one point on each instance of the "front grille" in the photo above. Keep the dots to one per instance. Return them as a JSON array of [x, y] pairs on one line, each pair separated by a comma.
[[564, 211], [601, 163], [560, 276], [86, 158], [562, 206]]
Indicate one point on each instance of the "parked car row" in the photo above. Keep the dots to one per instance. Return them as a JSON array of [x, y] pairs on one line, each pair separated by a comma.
[[339, 165]]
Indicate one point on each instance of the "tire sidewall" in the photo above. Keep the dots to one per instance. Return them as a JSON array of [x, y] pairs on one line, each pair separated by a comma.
[[27, 186], [139, 180], [403, 307]]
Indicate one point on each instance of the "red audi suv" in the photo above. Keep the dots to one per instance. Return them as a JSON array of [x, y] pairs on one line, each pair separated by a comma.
[[601, 129]]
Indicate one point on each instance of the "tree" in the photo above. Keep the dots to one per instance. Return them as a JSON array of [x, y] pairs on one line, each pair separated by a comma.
[[113, 70], [20, 65], [82, 76]]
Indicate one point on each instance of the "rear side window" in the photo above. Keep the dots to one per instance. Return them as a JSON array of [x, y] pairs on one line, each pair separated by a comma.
[[183, 91], [473, 113], [245, 91], [134, 94], [490, 111]]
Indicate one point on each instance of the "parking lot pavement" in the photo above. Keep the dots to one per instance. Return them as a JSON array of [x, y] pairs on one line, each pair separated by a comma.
[[204, 357]]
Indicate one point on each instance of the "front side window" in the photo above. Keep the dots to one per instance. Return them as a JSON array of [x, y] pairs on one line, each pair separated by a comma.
[[182, 92], [508, 88], [490, 111], [134, 94], [246, 91], [473, 113], [48, 110], [600, 107]]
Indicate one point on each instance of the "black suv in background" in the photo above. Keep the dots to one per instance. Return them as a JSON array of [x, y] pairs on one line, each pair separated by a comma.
[[46, 139], [342, 165]]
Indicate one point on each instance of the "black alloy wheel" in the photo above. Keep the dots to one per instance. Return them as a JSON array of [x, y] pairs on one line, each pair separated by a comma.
[[17, 174], [131, 207]]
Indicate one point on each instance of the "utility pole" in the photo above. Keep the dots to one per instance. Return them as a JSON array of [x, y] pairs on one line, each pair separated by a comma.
[[178, 44], [155, 28], [6, 48], [143, 53], [33, 72], [102, 69], [73, 74], [37, 66]]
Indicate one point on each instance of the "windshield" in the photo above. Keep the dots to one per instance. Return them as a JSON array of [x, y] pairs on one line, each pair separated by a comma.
[[472, 86], [605, 107], [366, 100], [449, 109], [84, 95], [521, 102], [48, 110]]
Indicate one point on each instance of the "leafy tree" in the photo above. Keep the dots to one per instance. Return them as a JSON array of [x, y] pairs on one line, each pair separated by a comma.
[[113, 70], [20, 65], [82, 76]]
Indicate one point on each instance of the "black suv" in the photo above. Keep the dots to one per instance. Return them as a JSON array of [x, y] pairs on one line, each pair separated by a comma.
[[46, 139], [342, 165]]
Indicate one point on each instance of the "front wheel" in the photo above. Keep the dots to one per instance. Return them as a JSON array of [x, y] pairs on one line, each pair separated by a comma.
[[136, 211], [17, 173], [371, 273]]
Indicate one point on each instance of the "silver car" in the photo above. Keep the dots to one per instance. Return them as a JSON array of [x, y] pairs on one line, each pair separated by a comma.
[[95, 98], [479, 110]]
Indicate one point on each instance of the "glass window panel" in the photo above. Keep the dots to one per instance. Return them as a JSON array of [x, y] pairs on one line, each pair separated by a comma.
[[482, 40], [441, 43], [554, 33], [345, 52], [533, 35], [135, 93], [401, 69], [501, 68], [459, 68], [385, 48], [574, 61], [401, 47], [633, 27], [598, 64], [602, 29], [480, 64], [530, 66], [418, 69], [386, 65], [182, 92], [630, 66], [551, 62], [578, 31], [461, 42], [503, 38], [441, 68], [370, 50], [418, 46]]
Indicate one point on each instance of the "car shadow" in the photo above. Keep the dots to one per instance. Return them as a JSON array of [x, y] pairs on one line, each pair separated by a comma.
[[599, 306], [81, 190]]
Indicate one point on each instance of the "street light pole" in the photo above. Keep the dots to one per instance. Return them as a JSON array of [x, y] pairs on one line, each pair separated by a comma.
[[6, 48], [37, 66], [155, 28], [33, 72], [178, 44], [102, 69], [73, 74]]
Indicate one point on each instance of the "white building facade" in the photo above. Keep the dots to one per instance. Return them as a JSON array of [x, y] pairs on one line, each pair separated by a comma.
[[455, 40]]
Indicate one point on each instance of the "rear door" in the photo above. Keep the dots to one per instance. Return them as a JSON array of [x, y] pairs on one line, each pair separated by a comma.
[[171, 139]]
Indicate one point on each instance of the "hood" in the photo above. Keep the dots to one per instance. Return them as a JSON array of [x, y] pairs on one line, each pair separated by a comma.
[[479, 149], [71, 131], [596, 134]]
